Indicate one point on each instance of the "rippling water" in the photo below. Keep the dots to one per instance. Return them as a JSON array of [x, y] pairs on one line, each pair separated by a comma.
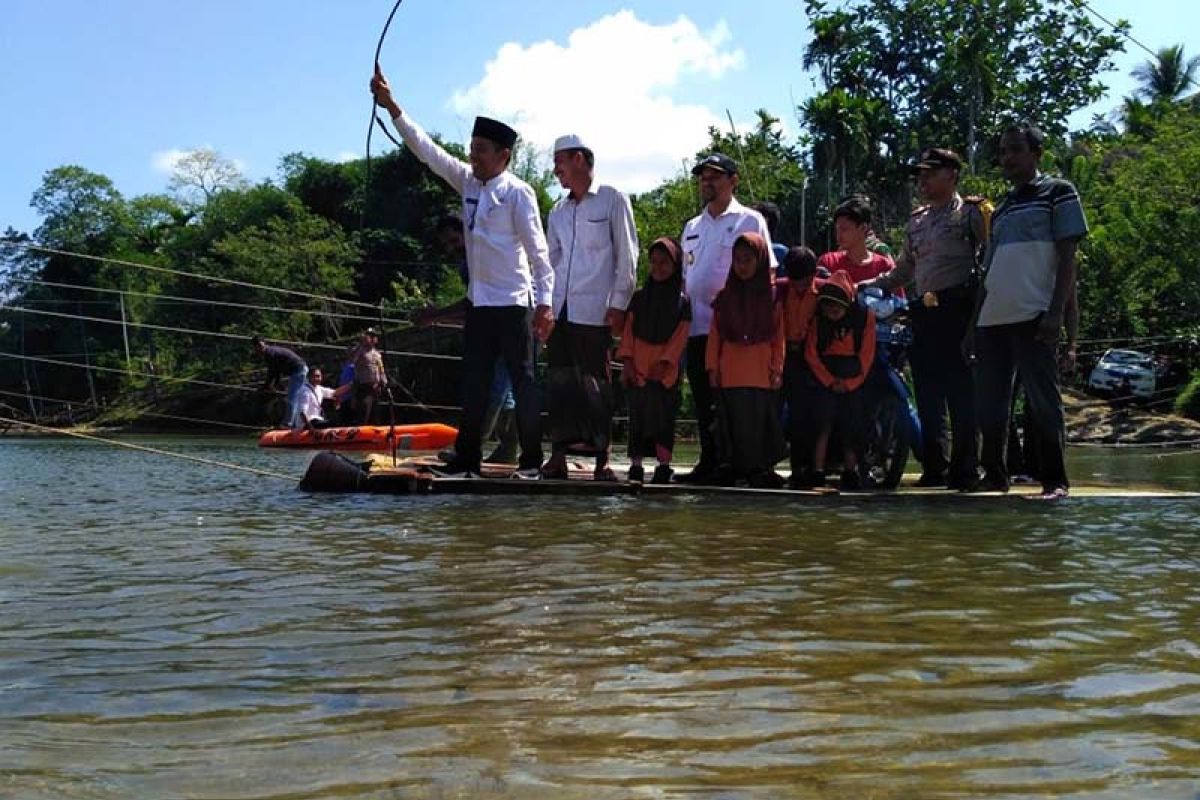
[[174, 631]]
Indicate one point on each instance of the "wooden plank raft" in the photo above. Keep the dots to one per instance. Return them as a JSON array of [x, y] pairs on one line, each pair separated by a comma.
[[331, 472]]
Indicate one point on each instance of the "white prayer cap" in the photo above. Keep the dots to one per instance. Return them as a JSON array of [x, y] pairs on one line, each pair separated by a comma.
[[570, 142]]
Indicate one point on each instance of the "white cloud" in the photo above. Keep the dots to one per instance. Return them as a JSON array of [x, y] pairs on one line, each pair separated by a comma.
[[164, 161], [611, 83]]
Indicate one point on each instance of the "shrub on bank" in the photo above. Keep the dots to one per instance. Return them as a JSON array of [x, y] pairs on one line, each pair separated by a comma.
[[1188, 402]]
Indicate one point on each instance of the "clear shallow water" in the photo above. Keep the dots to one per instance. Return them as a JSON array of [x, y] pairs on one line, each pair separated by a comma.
[[174, 631]]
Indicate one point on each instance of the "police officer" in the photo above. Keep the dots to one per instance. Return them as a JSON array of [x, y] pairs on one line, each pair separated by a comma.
[[940, 254]]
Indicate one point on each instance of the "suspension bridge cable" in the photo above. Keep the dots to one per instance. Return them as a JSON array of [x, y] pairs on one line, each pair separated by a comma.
[[87, 404], [186, 274], [152, 375], [1126, 34], [217, 334], [199, 301], [156, 451]]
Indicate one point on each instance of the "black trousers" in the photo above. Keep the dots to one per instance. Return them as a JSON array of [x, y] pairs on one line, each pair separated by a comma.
[[579, 384], [943, 381], [798, 383], [702, 397], [1001, 351], [493, 332]]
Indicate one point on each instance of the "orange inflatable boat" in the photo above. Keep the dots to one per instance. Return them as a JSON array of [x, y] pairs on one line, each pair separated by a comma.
[[428, 436]]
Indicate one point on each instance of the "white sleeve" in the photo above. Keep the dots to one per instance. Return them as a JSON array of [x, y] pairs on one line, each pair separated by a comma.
[[444, 165], [553, 242], [528, 223], [625, 252]]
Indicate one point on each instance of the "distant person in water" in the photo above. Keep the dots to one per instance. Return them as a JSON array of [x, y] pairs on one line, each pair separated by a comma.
[[283, 362]]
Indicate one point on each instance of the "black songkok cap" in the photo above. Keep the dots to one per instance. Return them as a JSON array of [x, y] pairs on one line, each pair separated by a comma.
[[495, 131]]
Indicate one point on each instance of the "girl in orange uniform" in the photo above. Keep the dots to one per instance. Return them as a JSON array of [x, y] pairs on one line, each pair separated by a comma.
[[840, 349], [744, 360], [656, 333]]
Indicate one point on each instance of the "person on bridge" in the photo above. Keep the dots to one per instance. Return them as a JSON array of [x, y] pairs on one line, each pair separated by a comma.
[[282, 362], [512, 281]]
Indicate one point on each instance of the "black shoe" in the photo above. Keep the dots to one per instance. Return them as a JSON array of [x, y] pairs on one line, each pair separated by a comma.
[[662, 474], [501, 455], [637, 474], [816, 479], [702, 474], [555, 469], [988, 483], [604, 474], [724, 476], [457, 469], [801, 479], [765, 479], [850, 481], [961, 484], [932, 480]]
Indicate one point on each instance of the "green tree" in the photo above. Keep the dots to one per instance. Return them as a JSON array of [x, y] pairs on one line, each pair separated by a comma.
[[1139, 275], [1168, 76], [899, 76]]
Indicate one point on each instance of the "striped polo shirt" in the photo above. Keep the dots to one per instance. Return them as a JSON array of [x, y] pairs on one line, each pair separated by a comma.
[[1021, 262]]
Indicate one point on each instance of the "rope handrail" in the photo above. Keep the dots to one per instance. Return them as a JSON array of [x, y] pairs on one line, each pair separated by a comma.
[[201, 301], [152, 375], [156, 451], [184, 273], [218, 334]]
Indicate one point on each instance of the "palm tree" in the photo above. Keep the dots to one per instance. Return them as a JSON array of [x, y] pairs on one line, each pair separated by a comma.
[[1168, 76]]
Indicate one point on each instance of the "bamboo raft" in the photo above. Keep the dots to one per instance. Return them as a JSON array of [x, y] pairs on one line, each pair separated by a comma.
[[331, 472]]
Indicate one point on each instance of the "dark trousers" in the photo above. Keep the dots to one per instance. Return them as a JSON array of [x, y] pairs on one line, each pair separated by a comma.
[[493, 332], [579, 385], [1001, 351], [942, 381], [798, 382], [702, 397]]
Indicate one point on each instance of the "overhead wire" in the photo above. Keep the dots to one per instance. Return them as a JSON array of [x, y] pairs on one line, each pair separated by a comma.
[[187, 274], [1116, 29], [156, 451], [216, 334], [199, 301]]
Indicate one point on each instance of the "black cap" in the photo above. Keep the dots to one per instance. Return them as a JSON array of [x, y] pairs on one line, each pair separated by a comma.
[[718, 161], [494, 130], [370, 332], [937, 158]]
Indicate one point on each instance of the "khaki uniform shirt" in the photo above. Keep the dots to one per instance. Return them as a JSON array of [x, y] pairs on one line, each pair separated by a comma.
[[939, 248]]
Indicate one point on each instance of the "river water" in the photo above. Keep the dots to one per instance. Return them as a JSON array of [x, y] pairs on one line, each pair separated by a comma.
[[169, 630]]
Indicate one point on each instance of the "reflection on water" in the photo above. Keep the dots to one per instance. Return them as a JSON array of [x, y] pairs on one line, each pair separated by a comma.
[[168, 630]]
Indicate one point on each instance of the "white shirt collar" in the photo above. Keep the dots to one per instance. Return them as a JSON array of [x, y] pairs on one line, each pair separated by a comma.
[[734, 207]]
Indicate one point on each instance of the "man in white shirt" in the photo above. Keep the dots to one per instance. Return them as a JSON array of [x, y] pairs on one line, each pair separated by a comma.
[[510, 274], [707, 255], [311, 415], [593, 248]]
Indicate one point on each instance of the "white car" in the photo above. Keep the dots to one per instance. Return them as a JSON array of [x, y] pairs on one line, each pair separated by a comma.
[[1124, 372]]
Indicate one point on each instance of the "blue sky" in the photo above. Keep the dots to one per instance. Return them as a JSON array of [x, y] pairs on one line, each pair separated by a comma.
[[120, 86]]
